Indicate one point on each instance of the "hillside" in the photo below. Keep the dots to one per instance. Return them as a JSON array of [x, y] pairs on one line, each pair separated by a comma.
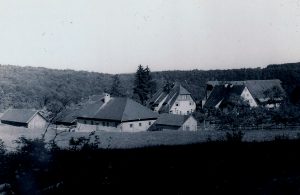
[[30, 87]]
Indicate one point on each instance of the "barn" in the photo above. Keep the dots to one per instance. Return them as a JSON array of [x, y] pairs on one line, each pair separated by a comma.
[[24, 118]]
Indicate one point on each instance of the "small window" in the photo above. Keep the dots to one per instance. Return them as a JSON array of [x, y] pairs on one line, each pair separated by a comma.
[[188, 112], [103, 123], [149, 123], [171, 111], [84, 122], [140, 124], [107, 124], [92, 122], [131, 125], [177, 104], [97, 123]]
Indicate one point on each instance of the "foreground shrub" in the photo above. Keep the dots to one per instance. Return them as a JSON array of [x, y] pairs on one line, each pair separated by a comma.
[[234, 136]]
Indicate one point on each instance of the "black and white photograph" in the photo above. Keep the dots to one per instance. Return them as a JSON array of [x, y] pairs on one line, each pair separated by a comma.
[[195, 96]]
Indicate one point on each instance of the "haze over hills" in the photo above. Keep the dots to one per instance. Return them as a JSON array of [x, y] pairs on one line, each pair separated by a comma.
[[32, 87]]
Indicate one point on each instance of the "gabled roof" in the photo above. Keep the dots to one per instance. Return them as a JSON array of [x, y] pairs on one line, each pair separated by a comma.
[[256, 87], [118, 109], [19, 115], [171, 119], [222, 92], [168, 98]]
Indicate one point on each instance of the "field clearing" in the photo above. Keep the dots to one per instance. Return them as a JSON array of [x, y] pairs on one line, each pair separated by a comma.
[[141, 139]]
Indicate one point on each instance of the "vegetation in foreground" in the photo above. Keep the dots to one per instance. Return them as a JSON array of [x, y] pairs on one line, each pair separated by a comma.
[[218, 167]]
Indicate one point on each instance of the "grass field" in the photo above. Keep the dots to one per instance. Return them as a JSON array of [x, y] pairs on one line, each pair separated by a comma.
[[134, 140]]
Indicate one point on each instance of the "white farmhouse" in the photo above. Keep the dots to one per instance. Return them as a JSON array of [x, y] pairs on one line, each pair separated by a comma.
[[115, 114], [24, 118], [176, 100], [255, 93]]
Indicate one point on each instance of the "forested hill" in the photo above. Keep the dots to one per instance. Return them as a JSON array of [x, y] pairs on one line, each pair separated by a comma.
[[30, 87]]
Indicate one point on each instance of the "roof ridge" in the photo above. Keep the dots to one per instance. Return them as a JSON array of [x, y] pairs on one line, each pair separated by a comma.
[[104, 104], [124, 108]]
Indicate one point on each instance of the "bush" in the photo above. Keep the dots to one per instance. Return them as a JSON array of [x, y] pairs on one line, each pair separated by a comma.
[[2, 147], [234, 136]]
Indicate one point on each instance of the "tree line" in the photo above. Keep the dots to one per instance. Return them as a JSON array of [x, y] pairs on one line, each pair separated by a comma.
[[29, 87]]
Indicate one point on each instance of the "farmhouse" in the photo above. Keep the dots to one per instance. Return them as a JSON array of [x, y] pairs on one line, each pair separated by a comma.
[[23, 118], [174, 122], [255, 93], [115, 114], [174, 99]]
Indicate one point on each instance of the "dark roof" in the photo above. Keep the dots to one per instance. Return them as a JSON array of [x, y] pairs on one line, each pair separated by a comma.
[[69, 115], [256, 87], [18, 115], [167, 98], [222, 92], [171, 119], [118, 109]]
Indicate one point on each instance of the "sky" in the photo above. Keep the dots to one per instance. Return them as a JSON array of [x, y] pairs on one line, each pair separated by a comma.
[[116, 36]]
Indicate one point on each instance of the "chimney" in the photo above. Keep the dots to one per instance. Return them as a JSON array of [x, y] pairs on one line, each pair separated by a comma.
[[106, 98]]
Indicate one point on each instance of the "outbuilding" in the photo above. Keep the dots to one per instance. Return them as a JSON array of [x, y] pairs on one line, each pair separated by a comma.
[[24, 118]]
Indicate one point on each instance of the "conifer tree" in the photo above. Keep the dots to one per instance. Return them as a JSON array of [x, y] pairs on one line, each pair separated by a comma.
[[144, 86]]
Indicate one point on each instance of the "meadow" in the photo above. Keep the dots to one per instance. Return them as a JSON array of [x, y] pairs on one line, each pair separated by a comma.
[[125, 140]]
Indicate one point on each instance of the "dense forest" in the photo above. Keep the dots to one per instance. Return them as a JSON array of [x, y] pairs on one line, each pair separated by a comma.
[[31, 87]]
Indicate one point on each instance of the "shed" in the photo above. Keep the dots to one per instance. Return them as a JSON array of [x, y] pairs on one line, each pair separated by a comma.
[[24, 118], [174, 122]]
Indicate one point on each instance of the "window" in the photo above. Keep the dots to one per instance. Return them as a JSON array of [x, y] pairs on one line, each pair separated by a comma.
[[131, 125], [140, 124], [84, 122], [107, 124], [188, 112], [97, 123], [103, 123], [92, 122], [149, 123], [191, 103], [177, 104]]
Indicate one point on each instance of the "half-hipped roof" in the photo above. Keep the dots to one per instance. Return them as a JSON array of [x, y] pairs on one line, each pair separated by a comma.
[[19, 115], [168, 97], [119, 109], [222, 92]]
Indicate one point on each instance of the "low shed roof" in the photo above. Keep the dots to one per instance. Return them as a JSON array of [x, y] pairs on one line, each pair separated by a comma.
[[19, 115]]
